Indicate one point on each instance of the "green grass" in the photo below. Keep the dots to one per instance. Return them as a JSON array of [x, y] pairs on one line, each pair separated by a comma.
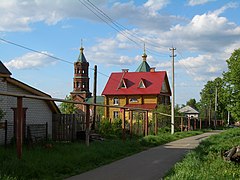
[[67, 159], [206, 162]]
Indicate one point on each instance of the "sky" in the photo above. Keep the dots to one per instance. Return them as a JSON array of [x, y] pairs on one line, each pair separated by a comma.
[[113, 34]]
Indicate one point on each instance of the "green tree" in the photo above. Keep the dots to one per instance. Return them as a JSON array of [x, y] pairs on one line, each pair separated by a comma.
[[192, 103], [212, 90], [232, 84], [67, 108]]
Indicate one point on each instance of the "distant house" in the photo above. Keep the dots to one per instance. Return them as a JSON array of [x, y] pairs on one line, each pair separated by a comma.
[[145, 88], [34, 111], [189, 112]]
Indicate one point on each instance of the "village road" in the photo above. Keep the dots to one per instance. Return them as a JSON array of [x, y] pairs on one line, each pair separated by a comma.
[[151, 164]]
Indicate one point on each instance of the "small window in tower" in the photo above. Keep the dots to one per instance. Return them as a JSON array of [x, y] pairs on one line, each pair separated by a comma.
[[79, 71], [83, 71], [78, 85], [83, 85]]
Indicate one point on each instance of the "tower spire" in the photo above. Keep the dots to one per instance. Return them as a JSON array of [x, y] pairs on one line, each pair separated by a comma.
[[81, 48], [144, 56]]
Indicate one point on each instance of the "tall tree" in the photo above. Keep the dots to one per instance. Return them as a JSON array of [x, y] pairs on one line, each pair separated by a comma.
[[212, 90], [67, 108], [232, 84], [192, 103]]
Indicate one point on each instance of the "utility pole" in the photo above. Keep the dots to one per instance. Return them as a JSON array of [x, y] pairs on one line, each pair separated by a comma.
[[215, 114], [173, 91], [94, 97]]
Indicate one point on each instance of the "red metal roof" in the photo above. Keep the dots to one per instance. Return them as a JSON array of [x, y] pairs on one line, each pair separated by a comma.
[[142, 106], [152, 81]]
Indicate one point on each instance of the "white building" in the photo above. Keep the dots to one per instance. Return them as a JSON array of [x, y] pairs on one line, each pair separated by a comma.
[[34, 111]]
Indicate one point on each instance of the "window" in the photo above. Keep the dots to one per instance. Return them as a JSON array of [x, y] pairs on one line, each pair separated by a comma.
[[133, 100], [115, 101], [83, 71], [141, 84], [83, 85], [115, 114], [123, 84], [78, 84]]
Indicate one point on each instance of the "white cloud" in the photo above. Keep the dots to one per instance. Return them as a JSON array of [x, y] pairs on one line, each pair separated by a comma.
[[30, 60], [155, 5], [17, 15], [198, 2]]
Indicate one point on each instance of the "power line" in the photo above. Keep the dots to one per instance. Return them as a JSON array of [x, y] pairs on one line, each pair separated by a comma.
[[118, 27], [33, 50]]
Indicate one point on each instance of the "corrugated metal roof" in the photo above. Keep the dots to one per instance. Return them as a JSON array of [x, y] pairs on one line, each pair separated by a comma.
[[152, 80], [188, 110]]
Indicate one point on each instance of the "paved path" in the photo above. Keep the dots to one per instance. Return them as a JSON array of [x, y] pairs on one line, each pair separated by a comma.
[[151, 164]]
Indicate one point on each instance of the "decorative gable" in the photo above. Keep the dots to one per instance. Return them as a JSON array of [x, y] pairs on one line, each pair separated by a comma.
[[123, 84], [142, 84]]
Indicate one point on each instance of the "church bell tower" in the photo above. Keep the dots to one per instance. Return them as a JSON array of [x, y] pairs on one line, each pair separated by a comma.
[[81, 80]]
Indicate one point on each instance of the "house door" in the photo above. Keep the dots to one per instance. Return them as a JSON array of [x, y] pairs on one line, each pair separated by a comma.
[[15, 122]]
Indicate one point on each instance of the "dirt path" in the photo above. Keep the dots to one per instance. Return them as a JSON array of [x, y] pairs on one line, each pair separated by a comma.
[[147, 165]]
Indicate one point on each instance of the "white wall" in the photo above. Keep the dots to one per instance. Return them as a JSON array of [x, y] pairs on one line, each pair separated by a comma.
[[37, 112]]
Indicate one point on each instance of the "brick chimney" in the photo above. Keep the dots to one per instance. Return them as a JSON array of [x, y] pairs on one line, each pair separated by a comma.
[[152, 69]]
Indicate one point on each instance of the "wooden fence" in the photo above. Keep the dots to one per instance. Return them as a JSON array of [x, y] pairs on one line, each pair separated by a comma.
[[67, 127]]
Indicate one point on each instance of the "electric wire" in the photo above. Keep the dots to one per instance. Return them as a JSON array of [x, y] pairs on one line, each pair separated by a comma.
[[118, 27]]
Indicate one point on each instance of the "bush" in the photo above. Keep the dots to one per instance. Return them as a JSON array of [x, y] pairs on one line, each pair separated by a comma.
[[111, 130]]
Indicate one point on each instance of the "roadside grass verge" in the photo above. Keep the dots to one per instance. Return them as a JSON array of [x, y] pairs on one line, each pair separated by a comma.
[[67, 159], [206, 162]]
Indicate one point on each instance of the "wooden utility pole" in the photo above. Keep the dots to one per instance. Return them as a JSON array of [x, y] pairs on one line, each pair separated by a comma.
[[94, 97], [173, 89]]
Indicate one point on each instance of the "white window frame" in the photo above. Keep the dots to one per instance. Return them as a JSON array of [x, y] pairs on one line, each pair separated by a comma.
[[116, 101]]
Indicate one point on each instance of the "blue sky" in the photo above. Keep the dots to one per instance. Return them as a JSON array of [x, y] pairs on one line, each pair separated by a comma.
[[204, 32]]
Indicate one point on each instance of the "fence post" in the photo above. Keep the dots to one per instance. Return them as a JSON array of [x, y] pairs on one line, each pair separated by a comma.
[[131, 122], [200, 123], [87, 123], [46, 131], [181, 124], [19, 127], [146, 125], [6, 133], [123, 126], [156, 124]]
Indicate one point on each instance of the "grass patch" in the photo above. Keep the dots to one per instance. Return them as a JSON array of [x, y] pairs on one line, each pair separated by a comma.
[[68, 159], [206, 162]]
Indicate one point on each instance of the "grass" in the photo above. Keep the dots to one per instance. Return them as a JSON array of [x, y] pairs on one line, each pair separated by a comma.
[[67, 159], [206, 161]]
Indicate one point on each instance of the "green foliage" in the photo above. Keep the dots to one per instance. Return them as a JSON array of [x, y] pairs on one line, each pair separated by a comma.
[[232, 84], [206, 161], [63, 159], [207, 100], [192, 103], [164, 136], [162, 119], [67, 108], [110, 129]]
